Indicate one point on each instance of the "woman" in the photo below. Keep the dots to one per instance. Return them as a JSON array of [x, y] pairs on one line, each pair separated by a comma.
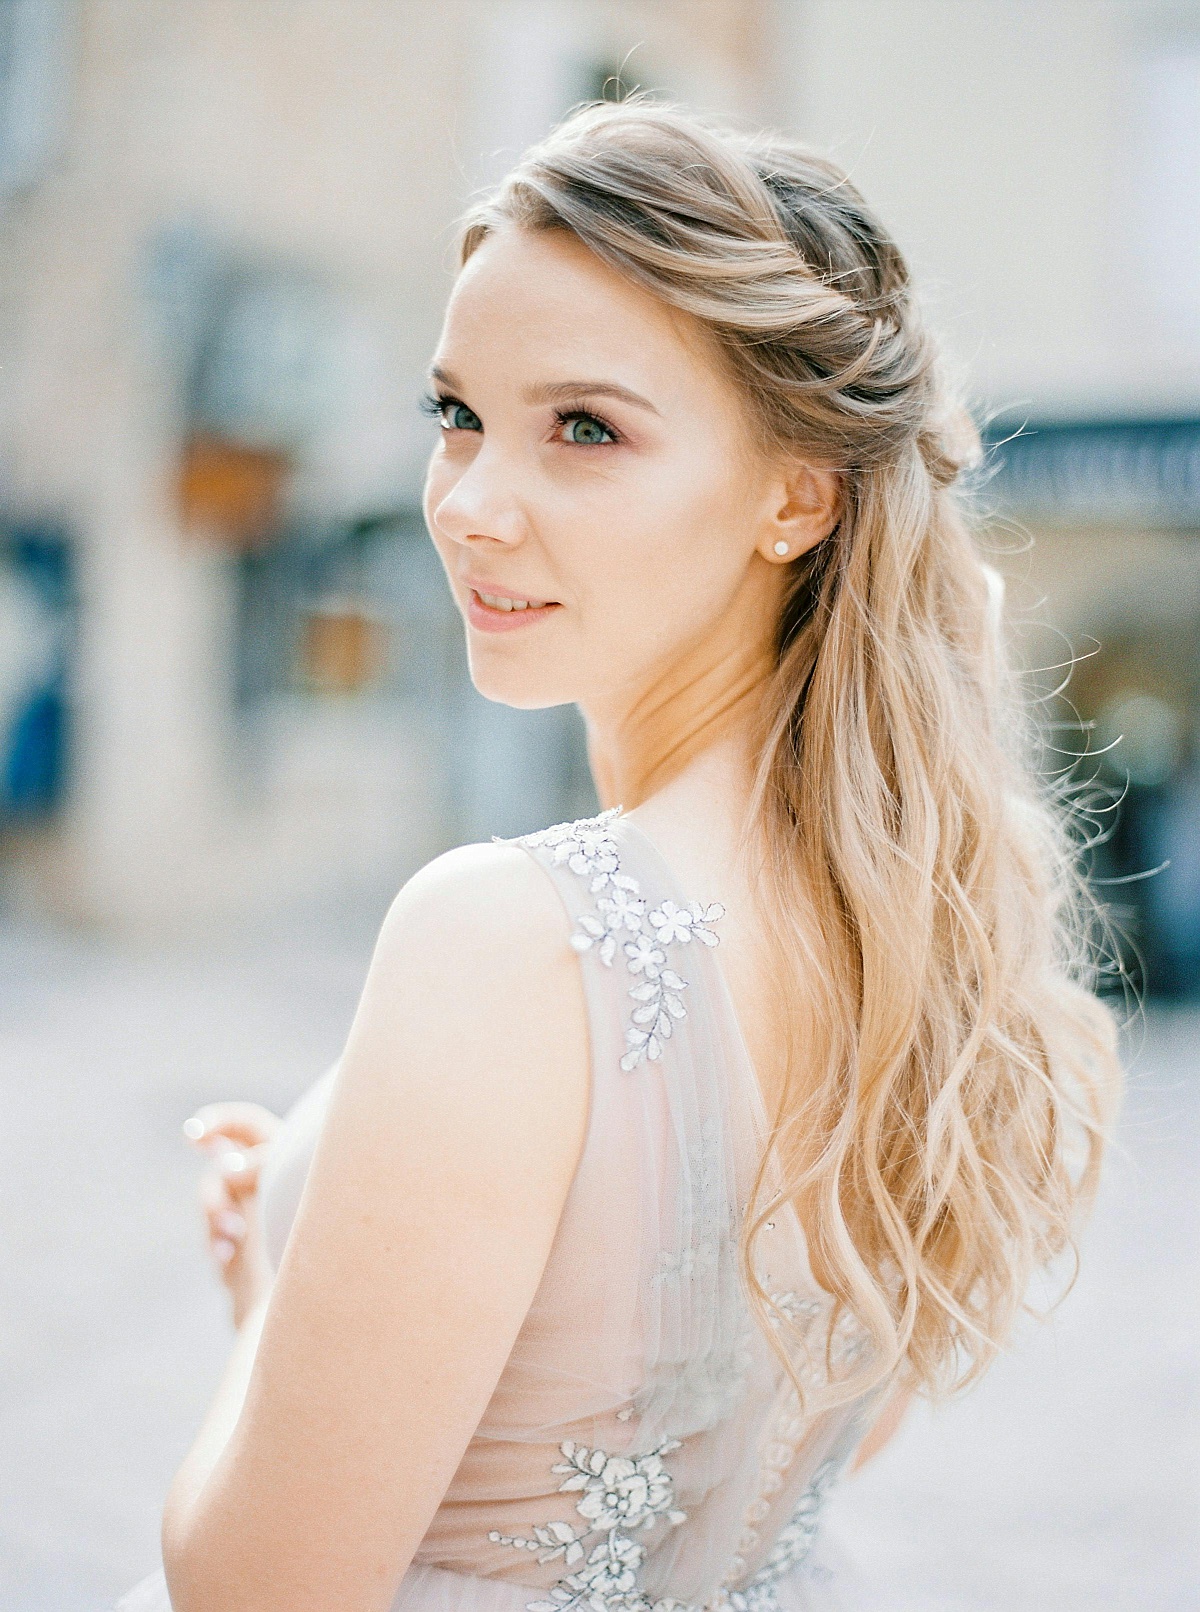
[[671, 1150]]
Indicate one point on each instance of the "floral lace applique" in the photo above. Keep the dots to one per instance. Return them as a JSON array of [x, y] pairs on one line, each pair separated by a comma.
[[796, 1538], [848, 1343], [620, 918], [710, 1211], [795, 1309], [682, 1265], [791, 1549], [809, 1316], [623, 1495], [619, 1496]]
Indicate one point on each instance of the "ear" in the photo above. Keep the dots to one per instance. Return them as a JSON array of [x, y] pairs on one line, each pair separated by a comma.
[[804, 509]]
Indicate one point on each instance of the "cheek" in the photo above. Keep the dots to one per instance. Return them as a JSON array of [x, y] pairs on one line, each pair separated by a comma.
[[659, 555], [683, 531]]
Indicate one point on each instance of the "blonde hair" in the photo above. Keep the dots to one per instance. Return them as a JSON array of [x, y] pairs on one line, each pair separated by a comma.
[[949, 1078]]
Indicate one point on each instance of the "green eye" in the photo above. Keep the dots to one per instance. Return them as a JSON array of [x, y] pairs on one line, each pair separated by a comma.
[[458, 417], [586, 430]]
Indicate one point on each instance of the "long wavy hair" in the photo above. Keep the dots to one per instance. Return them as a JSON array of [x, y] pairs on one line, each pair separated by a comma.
[[948, 1078]]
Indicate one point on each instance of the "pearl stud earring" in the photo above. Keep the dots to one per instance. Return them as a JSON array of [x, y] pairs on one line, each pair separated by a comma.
[[781, 547]]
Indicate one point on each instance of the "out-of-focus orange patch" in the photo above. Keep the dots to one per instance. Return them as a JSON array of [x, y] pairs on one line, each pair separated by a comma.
[[231, 493]]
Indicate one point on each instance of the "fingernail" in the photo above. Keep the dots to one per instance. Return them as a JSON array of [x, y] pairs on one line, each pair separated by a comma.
[[231, 1223], [235, 1163], [194, 1128], [224, 1249]]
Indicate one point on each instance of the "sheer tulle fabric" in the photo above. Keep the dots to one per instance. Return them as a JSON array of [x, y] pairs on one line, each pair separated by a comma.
[[643, 1443]]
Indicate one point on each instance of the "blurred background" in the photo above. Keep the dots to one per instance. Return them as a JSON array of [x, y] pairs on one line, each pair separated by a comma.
[[234, 709]]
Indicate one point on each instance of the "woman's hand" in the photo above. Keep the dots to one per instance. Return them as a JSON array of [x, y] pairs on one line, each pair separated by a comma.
[[235, 1135]]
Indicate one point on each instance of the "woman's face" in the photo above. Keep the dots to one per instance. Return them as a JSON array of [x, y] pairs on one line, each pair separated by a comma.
[[595, 464]]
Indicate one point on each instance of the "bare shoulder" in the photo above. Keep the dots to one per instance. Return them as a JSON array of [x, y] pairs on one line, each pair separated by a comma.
[[473, 1013], [477, 896], [485, 930]]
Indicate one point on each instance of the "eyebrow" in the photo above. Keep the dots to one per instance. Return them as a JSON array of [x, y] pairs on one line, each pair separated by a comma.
[[564, 391]]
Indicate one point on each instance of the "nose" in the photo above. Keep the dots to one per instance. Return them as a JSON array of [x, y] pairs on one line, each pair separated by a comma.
[[482, 503]]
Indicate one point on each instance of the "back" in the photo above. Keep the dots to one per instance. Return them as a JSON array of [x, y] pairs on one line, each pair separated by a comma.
[[642, 1449], [643, 1442]]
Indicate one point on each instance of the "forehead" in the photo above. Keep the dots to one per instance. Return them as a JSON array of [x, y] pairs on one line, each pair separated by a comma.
[[541, 300]]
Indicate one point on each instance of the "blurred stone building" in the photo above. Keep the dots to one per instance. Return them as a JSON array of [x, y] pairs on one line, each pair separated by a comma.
[[232, 677], [1041, 165], [226, 246]]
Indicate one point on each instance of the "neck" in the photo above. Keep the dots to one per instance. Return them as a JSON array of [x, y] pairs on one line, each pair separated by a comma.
[[704, 696]]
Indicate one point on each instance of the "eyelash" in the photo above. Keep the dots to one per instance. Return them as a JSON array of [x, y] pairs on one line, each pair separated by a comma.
[[436, 406]]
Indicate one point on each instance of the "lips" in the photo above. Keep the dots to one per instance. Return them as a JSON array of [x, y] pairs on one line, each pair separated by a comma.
[[503, 612]]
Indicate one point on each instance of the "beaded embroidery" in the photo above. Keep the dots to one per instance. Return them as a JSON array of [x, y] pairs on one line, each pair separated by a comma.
[[791, 1548], [624, 1495], [796, 1538], [621, 1495], [620, 917]]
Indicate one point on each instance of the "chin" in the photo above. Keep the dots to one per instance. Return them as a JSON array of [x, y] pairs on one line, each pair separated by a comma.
[[524, 688]]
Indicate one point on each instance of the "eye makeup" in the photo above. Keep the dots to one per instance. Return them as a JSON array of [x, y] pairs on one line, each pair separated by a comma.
[[436, 405]]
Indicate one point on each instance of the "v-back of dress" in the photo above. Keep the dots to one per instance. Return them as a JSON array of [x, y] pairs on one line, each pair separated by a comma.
[[644, 1449]]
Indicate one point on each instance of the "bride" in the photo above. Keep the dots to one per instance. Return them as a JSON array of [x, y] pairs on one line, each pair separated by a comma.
[[671, 1150]]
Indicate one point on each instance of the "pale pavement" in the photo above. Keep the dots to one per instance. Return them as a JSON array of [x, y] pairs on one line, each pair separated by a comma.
[[1066, 1483]]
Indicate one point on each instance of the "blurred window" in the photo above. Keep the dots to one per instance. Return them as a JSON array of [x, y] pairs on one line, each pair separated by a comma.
[[1115, 473], [36, 635]]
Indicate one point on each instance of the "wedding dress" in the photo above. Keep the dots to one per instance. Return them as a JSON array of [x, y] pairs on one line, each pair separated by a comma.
[[643, 1450]]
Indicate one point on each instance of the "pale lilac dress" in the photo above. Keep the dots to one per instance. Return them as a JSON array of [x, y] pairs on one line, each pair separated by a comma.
[[644, 1450]]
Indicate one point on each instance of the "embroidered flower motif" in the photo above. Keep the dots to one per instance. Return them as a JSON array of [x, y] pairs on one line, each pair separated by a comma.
[[642, 1044], [672, 924], [612, 1569], [585, 846], [796, 1538], [588, 848], [755, 1597], [622, 906], [687, 1262], [793, 1308], [592, 930], [620, 1492], [620, 1496], [645, 957]]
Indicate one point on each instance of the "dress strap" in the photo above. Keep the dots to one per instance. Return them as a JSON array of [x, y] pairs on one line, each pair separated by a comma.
[[638, 931]]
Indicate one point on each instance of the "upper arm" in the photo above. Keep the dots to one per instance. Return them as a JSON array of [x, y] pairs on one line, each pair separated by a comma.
[[453, 1132]]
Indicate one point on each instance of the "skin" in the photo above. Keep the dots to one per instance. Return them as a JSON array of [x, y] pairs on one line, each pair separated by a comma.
[[455, 1126]]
